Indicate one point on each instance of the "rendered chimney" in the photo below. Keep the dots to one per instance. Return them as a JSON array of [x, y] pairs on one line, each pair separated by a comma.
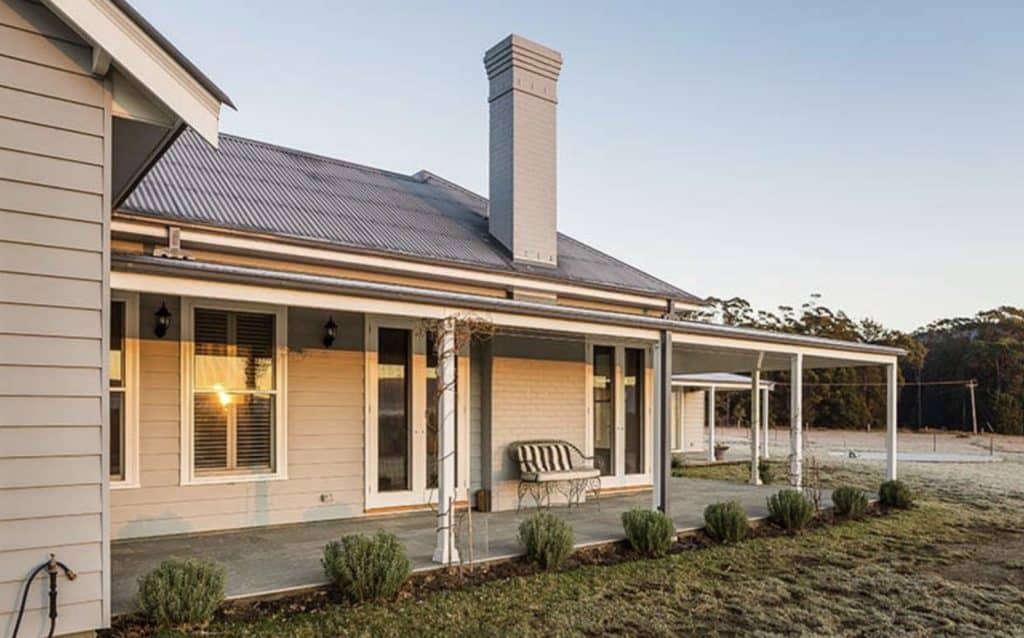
[[523, 97]]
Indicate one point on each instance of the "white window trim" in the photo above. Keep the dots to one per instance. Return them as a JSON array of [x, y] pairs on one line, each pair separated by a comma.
[[419, 495], [130, 451], [188, 474]]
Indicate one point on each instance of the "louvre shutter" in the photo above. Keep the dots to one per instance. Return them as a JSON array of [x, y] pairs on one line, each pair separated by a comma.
[[254, 417], [210, 424], [254, 337]]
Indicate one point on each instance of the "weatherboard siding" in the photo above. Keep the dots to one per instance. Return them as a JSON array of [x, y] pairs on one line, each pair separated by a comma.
[[324, 430], [54, 159], [538, 394], [693, 421]]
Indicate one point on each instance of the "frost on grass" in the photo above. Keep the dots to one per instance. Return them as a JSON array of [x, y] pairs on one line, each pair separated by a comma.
[[948, 567]]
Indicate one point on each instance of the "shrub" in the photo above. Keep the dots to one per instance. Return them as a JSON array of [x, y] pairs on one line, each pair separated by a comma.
[[849, 502], [767, 471], [367, 568], [181, 592], [649, 532], [547, 539], [726, 522], [895, 494], [790, 509]]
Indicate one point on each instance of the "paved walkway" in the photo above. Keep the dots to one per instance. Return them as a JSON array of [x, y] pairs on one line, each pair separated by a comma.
[[268, 559]]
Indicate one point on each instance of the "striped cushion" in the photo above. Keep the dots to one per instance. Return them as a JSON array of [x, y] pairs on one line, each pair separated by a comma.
[[544, 457]]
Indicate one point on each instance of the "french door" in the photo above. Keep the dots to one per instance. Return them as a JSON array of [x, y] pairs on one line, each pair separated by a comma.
[[401, 415], [619, 413]]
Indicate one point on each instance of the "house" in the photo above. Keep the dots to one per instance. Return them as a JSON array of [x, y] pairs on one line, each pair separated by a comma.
[[204, 332], [693, 414]]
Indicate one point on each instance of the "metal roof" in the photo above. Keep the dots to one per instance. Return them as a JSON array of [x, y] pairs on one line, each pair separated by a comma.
[[378, 290], [254, 186], [718, 378]]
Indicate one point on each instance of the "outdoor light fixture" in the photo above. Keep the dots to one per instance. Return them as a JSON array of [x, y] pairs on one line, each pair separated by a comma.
[[163, 321], [330, 332]]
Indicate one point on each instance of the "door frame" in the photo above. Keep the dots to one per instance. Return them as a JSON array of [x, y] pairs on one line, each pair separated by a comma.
[[620, 478], [418, 495]]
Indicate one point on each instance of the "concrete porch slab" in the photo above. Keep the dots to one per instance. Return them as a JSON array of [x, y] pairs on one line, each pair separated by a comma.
[[266, 560]]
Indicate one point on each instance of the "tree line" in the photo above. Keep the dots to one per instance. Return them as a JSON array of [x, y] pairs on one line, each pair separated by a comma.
[[987, 348]]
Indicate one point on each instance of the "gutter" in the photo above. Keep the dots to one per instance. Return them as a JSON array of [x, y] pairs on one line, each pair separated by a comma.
[[338, 285]]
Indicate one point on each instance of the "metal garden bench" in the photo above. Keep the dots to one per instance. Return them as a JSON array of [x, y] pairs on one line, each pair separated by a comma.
[[552, 464]]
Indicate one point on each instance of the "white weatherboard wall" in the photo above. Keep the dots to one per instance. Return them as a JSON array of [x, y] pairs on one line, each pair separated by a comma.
[[54, 159], [538, 391], [693, 406], [325, 438]]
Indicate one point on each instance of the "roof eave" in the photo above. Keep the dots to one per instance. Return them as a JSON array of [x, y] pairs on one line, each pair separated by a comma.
[[143, 54]]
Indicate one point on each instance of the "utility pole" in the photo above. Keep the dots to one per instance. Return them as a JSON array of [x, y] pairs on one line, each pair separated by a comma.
[[974, 412], [919, 371]]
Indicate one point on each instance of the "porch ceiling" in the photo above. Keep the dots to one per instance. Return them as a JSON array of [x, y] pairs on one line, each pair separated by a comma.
[[690, 359]]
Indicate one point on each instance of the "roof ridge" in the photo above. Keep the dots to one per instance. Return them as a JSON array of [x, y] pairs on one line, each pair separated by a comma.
[[317, 156]]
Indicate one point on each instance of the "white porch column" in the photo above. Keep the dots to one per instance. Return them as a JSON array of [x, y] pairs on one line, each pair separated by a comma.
[[755, 422], [765, 412], [446, 552], [796, 420], [710, 409], [662, 465], [890, 420]]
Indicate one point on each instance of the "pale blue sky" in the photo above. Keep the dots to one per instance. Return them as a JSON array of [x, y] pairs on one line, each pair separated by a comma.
[[872, 152]]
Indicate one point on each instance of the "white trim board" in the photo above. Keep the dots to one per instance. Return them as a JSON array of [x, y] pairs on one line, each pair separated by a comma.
[[280, 247], [105, 26]]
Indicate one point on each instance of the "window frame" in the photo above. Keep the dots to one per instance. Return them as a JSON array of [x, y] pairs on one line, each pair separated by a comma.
[[189, 476], [130, 390], [622, 479]]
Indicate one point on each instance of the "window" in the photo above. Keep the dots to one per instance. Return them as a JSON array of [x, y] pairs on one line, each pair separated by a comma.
[[394, 431], [604, 409], [634, 394], [122, 366], [433, 395], [117, 389], [234, 381]]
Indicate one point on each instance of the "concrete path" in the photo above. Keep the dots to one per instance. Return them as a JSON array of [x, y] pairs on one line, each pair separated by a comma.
[[263, 560]]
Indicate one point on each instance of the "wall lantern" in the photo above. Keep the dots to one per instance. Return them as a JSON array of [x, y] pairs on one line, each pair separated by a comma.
[[163, 321], [330, 332]]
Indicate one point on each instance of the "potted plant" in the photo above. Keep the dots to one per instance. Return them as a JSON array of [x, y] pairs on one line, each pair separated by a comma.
[[720, 449]]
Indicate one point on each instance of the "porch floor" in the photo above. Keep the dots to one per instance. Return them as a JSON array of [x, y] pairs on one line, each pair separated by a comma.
[[264, 560]]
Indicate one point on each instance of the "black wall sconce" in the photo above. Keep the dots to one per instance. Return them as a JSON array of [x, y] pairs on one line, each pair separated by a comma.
[[330, 332], [163, 321]]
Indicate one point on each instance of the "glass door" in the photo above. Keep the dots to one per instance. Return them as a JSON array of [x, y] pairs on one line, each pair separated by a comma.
[[402, 421], [634, 391], [620, 405], [394, 414], [604, 409]]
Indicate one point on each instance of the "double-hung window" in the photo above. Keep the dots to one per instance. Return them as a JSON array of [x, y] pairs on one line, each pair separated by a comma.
[[122, 375], [234, 389]]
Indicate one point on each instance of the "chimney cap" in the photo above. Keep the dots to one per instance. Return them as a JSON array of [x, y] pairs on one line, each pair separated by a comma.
[[517, 51]]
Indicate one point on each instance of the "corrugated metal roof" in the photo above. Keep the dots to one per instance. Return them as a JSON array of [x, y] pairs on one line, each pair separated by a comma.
[[717, 378], [255, 186]]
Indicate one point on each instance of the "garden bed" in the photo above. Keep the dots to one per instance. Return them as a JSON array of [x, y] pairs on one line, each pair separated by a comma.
[[427, 583]]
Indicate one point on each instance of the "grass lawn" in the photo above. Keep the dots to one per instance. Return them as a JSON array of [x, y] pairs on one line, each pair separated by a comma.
[[954, 565]]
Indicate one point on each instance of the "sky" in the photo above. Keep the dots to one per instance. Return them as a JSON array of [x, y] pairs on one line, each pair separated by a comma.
[[870, 152]]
